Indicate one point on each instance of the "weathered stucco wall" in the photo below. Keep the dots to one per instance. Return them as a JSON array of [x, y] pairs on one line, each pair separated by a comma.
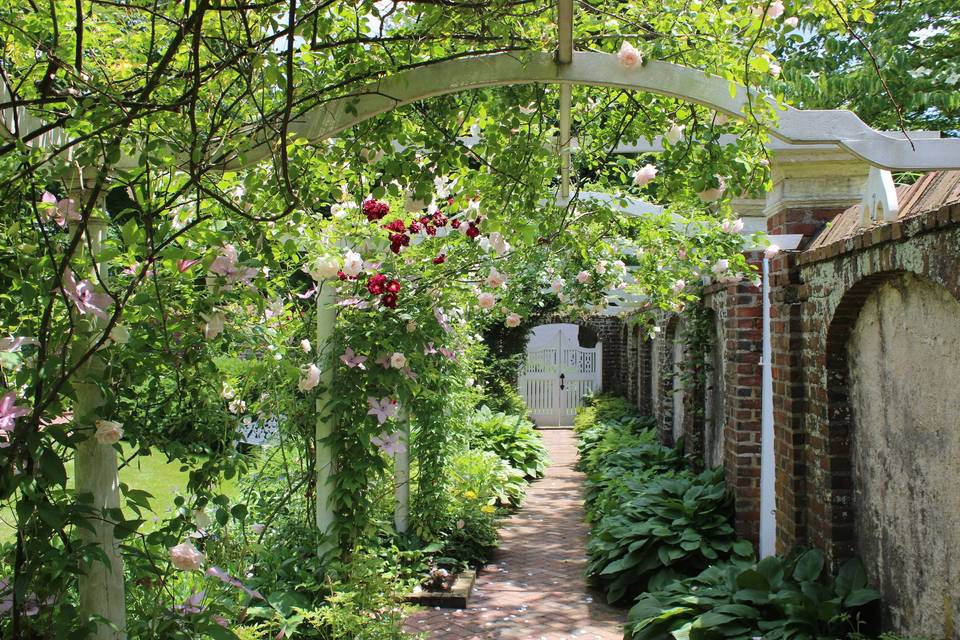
[[904, 363]]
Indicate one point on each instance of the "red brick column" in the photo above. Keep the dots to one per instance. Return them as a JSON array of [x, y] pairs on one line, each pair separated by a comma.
[[811, 187]]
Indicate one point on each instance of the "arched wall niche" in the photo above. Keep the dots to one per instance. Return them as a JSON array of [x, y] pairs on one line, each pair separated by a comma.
[[714, 407], [893, 447]]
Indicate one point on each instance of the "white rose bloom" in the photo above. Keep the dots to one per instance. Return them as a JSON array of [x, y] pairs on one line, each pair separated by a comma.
[[108, 431], [352, 263]]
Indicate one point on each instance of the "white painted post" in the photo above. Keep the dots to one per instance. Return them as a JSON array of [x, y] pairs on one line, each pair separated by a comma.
[[100, 586], [768, 495], [326, 422], [401, 472]]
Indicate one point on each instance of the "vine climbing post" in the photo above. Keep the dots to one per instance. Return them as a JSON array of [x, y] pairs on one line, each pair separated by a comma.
[[401, 466], [326, 423], [101, 588]]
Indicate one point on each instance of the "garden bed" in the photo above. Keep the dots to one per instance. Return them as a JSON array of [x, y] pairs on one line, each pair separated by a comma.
[[456, 597]]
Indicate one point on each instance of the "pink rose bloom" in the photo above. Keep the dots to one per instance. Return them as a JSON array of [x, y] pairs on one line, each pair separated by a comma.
[[305, 346], [486, 300], [792, 21], [496, 279], [713, 194], [186, 557], [771, 251], [309, 378], [108, 431], [214, 324], [512, 320], [720, 266], [643, 175], [398, 360], [628, 55], [674, 134], [679, 285], [557, 286], [584, 277]]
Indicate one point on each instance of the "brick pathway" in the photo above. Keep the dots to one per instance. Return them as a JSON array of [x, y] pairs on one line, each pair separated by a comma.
[[535, 590]]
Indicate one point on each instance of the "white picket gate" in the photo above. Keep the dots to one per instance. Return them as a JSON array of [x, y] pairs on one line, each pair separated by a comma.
[[557, 374]]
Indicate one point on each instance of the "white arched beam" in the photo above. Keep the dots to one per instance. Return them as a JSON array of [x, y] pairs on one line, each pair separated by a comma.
[[835, 127]]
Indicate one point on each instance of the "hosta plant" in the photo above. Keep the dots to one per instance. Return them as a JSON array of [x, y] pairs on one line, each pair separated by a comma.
[[512, 438], [776, 599], [674, 527]]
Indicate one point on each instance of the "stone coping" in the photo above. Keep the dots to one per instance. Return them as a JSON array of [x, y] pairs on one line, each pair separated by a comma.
[[947, 216]]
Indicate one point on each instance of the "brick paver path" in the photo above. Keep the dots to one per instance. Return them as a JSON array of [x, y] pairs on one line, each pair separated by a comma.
[[535, 589]]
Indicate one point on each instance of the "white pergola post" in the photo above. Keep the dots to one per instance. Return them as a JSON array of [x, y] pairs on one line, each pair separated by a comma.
[[100, 586], [326, 422], [401, 472], [768, 471]]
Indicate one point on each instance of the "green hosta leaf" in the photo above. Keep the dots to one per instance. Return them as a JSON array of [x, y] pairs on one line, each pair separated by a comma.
[[861, 597], [809, 565]]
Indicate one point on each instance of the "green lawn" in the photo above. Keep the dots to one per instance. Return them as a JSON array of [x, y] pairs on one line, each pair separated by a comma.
[[152, 473]]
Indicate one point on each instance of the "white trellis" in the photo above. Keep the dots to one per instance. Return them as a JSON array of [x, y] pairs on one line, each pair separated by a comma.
[[558, 373]]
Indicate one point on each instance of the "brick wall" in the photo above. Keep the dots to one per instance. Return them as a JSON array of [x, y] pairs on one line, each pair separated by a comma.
[[612, 332], [837, 279], [739, 311], [788, 370]]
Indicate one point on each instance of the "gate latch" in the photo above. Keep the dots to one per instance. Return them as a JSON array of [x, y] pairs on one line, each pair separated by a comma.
[[562, 377]]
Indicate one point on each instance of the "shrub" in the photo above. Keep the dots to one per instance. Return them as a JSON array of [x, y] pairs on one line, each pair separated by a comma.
[[364, 603], [512, 438], [673, 527], [483, 475], [776, 598], [470, 535], [602, 407]]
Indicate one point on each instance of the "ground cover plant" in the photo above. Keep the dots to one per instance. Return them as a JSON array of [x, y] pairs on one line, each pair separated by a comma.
[[776, 598], [662, 541]]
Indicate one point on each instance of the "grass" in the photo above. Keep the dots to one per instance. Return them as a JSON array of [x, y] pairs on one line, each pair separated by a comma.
[[152, 473]]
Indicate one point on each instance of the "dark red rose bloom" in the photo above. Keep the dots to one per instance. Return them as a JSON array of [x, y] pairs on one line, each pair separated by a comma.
[[439, 219], [440, 259], [341, 275], [375, 209], [393, 286], [431, 230], [455, 223], [425, 220], [396, 226], [395, 247], [415, 227], [389, 300], [376, 284], [473, 231], [400, 238]]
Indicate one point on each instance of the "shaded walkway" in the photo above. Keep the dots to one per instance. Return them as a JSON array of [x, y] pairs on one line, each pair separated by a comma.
[[535, 589]]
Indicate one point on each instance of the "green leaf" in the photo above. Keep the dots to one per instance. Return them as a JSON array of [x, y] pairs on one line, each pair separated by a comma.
[[861, 597], [809, 565]]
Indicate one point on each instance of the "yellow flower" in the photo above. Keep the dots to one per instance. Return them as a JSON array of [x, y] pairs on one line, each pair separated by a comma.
[[470, 494], [487, 508]]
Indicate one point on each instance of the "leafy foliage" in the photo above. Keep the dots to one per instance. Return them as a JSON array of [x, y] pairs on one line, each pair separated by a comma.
[[512, 438], [672, 527], [913, 45], [776, 598]]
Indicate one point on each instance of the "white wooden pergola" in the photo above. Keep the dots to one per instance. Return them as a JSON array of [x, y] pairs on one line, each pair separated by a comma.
[[102, 591]]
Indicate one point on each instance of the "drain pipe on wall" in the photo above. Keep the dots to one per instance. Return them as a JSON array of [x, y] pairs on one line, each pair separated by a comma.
[[768, 475]]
